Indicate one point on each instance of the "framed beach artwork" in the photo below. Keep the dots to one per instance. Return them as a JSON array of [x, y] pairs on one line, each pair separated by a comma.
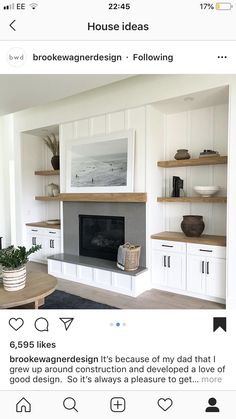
[[101, 164]]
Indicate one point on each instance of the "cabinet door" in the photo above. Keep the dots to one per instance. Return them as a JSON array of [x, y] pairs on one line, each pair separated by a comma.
[[216, 277], [176, 271], [196, 274], [52, 246], [159, 263], [34, 238]]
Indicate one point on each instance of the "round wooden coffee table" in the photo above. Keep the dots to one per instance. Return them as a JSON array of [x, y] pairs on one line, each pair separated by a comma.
[[38, 286]]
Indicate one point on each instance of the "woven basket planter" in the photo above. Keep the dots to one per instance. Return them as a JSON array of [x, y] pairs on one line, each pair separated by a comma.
[[14, 279], [128, 257]]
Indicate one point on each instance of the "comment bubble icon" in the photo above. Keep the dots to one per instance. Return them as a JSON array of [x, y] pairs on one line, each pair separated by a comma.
[[41, 324]]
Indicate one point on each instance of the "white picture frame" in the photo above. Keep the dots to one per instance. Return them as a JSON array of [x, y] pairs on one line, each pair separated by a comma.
[[101, 164]]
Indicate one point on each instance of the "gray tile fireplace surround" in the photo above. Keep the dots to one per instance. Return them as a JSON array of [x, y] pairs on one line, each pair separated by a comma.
[[135, 222]]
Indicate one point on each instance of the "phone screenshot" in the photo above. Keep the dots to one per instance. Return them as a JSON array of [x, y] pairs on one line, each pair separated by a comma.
[[117, 209]]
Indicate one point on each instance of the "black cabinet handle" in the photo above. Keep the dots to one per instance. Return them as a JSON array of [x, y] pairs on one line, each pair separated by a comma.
[[204, 250], [166, 245], [207, 268], [52, 232], [51, 244], [34, 241], [203, 267], [168, 261], [164, 261]]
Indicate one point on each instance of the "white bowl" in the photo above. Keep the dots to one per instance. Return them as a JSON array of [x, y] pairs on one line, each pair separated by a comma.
[[206, 191]]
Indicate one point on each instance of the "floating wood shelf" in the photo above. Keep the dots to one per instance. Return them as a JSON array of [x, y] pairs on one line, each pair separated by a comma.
[[180, 237], [44, 224], [196, 199], [47, 172], [202, 161], [104, 197], [48, 198]]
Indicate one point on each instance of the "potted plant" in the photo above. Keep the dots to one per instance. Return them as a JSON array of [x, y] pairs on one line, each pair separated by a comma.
[[52, 143], [13, 261]]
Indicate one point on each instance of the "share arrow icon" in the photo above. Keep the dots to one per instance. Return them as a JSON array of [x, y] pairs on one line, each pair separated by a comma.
[[67, 321]]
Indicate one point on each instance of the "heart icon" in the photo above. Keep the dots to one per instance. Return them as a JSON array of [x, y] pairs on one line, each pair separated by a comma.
[[16, 324], [165, 404]]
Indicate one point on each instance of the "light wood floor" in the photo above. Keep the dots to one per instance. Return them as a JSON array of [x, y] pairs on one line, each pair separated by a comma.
[[152, 299]]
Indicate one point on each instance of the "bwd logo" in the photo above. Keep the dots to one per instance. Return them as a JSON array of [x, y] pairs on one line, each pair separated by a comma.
[[9, 6], [16, 57]]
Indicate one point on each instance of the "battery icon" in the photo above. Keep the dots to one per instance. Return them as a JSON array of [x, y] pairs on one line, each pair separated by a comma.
[[224, 6]]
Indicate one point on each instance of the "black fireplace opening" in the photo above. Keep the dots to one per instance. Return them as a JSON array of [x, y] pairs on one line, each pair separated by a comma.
[[101, 235]]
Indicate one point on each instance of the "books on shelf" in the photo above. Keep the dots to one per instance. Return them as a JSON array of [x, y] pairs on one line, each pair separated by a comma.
[[209, 154]]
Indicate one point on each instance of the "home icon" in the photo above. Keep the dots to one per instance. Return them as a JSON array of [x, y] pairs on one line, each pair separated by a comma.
[[23, 406]]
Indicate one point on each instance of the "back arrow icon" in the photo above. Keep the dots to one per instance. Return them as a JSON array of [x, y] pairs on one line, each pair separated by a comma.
[[12, 24]]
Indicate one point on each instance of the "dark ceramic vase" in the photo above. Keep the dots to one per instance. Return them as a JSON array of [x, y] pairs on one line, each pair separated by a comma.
[[192, 225], [55, 160], [182, 154]]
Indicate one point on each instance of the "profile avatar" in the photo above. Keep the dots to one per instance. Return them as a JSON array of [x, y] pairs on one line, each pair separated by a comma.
[[212, 408]]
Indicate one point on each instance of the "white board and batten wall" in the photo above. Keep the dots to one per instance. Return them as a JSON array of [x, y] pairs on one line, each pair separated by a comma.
[[158, 136], [106, 124], [196, 130], [103, 125]]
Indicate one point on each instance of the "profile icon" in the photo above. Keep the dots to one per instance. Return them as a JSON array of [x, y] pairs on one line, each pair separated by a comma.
[[212, 408]]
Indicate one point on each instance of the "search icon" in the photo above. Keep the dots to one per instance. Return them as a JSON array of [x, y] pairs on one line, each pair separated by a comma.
[[70, 404]]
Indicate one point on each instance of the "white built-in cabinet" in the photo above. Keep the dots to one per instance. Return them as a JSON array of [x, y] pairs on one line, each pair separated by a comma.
[[169, 264], [206, 268], [48, 238], [191, 269]]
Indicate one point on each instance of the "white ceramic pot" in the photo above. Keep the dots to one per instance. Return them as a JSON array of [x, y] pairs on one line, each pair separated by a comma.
[[14, 279]]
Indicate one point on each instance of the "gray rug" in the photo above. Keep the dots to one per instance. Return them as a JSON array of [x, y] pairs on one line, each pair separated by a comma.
[[62, 300]]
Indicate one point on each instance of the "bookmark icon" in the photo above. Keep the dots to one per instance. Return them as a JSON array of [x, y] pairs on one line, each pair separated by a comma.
[[219, 323]]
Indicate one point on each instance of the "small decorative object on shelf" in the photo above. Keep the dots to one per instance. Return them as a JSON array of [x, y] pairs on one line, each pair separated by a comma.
[[53, 222], [178, 185], [192, 225], [52, 143], [206, 191], [13, 261], [53, 189], [209, 153], [128, 257], [182, 154]]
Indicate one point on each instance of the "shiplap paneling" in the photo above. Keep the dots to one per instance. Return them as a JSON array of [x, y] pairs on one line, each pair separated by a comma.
[[221, 129], [115, 122], [194, 130], [98, 125], [205, 128], [136, 119], [82, 128], [105, 124]]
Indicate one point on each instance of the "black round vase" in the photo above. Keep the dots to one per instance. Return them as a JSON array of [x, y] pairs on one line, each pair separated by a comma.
[[55, 160], [192, 225]]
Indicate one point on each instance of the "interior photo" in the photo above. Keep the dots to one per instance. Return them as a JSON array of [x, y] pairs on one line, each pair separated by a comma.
[[117, 191]]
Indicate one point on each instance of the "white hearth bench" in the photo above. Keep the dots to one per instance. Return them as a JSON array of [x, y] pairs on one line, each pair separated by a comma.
[[99, 273]]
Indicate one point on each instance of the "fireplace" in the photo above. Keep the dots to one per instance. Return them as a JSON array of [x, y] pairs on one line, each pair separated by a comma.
[[133, 215], [100, 235]]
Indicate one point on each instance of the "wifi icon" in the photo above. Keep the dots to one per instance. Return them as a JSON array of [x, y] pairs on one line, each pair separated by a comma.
[[33, 5]]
